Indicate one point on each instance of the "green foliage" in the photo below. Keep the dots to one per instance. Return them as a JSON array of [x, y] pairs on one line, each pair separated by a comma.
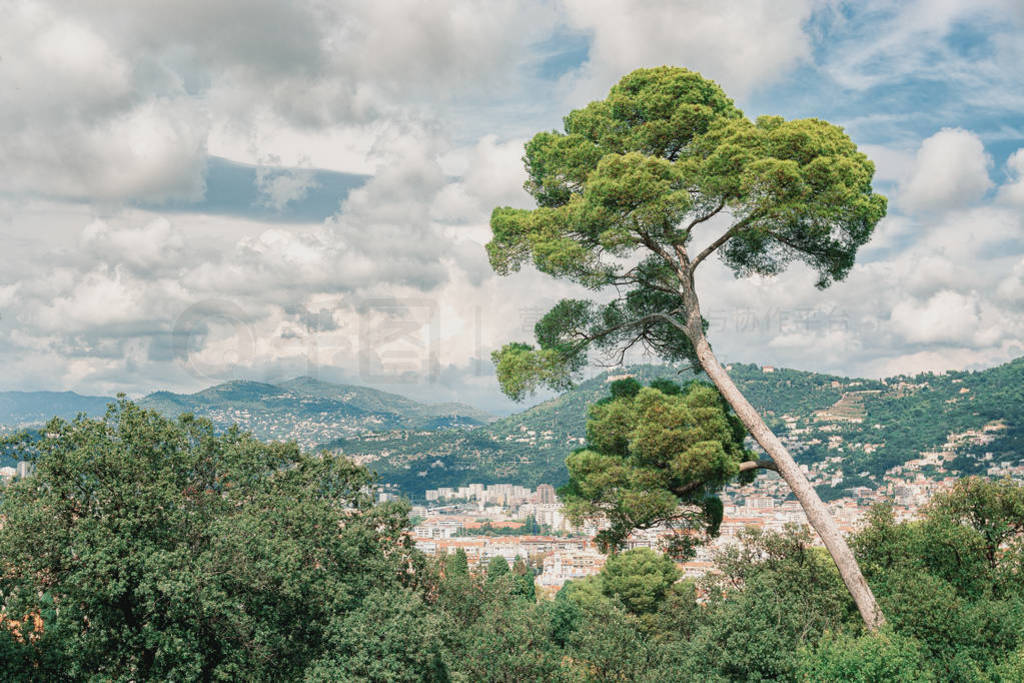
[[649, 453], [634, 176], [158, 549], [509, 642], [498, 566], [943, 582], [993, 510], [866, 659], [639, 579], [521, 369], [456, 564], [525, 585], [775, 594], [609, 645], [391, 636], [261, 596], [625, 388]]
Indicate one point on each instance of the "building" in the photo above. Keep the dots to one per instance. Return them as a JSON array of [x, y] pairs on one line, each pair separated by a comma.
[[560, 567], [24, 469], [546, 494]]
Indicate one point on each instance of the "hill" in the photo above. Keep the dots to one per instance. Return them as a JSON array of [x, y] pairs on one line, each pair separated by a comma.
[[850, 432], [304, 409], [27, 408]]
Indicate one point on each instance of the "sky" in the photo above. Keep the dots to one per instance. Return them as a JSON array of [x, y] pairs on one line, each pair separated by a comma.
[[194, 192]]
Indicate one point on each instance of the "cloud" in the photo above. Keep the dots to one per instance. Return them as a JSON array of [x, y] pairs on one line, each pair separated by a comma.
[[83, 121], [490, 174], [115, 102], [153, 249], [946, 316], [742, 45], [1013, 191], [118, 106], [950, 170], [1011, 289], [280, 186]]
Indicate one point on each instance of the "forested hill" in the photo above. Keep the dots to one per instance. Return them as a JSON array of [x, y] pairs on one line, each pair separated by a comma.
[[29, 408], [304, 409], [863, 427]]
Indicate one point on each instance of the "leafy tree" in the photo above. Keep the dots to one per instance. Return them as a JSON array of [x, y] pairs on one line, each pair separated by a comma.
[[158, 549], [621, 197], [609, 645], [775, 594], [497, 567], [457, 564], [525, 583], [391, 636], [865, 659], [993, 510], [585, 593], [459, 593], [510, 641], [937, 582], [565, 616], [639, 579], [657, 458]]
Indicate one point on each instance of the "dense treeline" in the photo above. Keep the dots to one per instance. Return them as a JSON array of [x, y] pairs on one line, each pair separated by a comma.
[[147, 549]]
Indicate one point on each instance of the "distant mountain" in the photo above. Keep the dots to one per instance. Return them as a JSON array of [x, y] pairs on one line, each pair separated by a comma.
[[27, 408], [303, 409], [374, 400], [310, 411], [850, 432]]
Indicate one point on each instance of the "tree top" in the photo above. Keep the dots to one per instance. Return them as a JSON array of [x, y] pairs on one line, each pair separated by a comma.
[[634, 178]]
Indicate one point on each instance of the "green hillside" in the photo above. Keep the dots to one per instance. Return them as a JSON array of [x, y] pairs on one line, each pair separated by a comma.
[[304, 409], [861, 427], [853, 429], [27, 408], [310, 412]]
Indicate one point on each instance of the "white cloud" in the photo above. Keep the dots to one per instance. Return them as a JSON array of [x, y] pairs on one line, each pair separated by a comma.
[[115, 102], [82, 120], [950, 170], [910, 40], [947, 316], [940, 361], [282, 186], [1011, 288], [891, 165], [148, 249], [742, 45], [490, 174], [1013, 191]]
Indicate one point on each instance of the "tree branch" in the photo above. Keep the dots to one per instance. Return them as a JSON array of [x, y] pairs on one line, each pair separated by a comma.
[[656, 248], [629, 323], [710, 249], [701, 219], [762, 464]]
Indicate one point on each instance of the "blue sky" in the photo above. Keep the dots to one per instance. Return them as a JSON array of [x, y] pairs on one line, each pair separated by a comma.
[[190, 195]]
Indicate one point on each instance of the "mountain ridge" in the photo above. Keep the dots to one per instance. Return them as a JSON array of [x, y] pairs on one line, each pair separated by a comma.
[[305, 409], [850, 431]]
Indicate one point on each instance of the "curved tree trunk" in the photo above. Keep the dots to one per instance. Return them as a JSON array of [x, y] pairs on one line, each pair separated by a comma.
[[817, 513]]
